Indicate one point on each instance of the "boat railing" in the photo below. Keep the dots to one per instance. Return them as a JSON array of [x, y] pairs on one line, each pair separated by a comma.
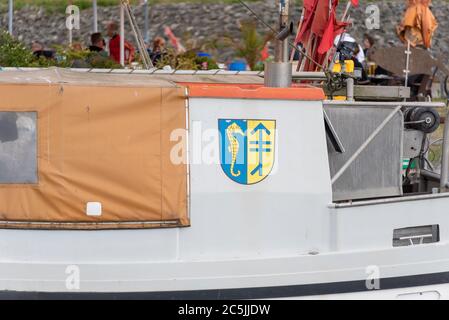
[[444, 180]]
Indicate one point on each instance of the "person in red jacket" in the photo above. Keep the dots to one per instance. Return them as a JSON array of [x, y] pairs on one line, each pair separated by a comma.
[[114, 44]]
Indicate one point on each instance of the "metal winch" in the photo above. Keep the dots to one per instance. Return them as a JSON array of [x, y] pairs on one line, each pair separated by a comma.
[[424, 119]]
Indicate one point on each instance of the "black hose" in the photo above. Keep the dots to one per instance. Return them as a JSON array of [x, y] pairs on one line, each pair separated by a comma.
[[445, 88]]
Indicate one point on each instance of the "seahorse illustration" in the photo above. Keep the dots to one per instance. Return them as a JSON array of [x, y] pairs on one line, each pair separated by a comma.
[[234, 146]]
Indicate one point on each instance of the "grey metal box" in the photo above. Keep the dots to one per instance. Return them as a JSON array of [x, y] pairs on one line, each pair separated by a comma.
[[376, 173]]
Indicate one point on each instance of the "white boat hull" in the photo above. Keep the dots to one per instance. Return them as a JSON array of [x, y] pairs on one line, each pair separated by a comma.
[[280, 238]]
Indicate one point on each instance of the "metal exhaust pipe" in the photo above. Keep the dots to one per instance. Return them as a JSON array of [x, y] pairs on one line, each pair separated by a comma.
[[278, 74], [285, 33]]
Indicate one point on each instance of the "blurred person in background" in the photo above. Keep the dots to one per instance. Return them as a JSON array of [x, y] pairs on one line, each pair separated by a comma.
[[98, 44], [368, 44], [38, 50], [114, 44], [158, 50]]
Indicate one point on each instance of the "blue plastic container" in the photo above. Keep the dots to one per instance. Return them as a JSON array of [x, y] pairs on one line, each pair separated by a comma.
[[238, 65], [203, 54]]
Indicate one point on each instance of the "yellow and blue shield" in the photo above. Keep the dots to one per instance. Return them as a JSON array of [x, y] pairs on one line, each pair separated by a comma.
[[247, 149]]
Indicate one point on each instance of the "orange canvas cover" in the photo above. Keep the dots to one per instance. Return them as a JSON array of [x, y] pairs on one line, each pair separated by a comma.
[[99, 143], [418, 25]]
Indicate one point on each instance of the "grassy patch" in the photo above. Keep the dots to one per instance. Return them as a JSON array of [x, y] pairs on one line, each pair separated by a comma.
[[60, 5]]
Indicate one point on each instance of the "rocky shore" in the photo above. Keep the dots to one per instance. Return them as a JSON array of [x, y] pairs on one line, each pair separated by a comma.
[[205, 22]]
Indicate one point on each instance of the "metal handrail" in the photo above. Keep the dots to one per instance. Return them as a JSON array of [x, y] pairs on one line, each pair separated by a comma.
[[444, 183], [296, 75], [148, 72], [386, 104]]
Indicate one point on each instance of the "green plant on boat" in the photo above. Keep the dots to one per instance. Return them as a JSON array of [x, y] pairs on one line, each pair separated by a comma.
[[186, 61], [14, 53], [67, 57], [250, 44]]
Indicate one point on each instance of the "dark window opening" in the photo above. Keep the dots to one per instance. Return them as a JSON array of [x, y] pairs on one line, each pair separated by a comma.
[[18, 148], [414, 236]]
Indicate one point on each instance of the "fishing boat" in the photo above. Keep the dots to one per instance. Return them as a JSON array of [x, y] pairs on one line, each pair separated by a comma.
[[217, 185]]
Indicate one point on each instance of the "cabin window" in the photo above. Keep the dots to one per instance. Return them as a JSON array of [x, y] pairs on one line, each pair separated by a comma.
[[18, 148], [414, 236]]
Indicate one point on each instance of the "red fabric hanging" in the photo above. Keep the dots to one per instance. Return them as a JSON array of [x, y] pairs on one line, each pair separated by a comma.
[[319, 29], [333, 29], [309, 13], [321, 18]]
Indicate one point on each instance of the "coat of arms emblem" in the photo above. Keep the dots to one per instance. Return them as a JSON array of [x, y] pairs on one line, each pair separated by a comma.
[[247, 149]]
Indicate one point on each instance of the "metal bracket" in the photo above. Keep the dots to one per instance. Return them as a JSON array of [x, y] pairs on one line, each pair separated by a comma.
[[332, 134]]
